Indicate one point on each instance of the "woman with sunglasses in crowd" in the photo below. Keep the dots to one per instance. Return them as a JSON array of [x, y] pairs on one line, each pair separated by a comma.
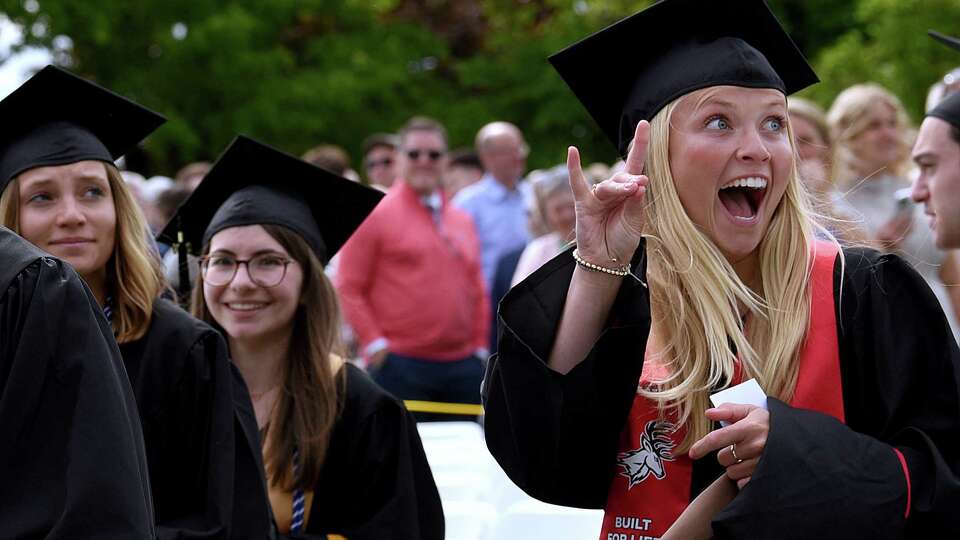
[[342, 457], [700, 268], [62, 192]]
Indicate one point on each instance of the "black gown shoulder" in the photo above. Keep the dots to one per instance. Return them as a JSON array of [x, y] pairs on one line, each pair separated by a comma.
[[72, 461], [200, 433], [556, 436], [168, 352], [376, 482], [890, 471]]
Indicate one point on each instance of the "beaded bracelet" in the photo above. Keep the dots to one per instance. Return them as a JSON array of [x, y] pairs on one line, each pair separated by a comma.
[[620, 272]]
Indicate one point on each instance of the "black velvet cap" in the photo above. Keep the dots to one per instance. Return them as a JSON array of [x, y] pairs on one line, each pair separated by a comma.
[[254, 184], [952, 42], [57, 118], [630, 70]]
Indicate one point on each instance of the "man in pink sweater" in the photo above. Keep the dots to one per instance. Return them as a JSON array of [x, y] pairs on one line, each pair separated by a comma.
[[411, 283]]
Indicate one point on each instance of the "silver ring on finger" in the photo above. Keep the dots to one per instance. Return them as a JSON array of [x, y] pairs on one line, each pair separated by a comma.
[[733, 452]]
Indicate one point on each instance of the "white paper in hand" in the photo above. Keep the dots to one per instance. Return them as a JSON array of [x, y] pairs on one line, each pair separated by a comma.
[[746, 393]]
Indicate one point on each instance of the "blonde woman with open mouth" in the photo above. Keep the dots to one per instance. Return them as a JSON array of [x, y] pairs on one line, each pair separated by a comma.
[[701, 267]]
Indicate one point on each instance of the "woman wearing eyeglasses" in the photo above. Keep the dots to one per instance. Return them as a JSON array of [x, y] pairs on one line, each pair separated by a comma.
[[62, 192], [341, 456]]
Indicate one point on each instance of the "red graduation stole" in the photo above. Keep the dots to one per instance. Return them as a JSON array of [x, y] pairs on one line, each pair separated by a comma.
[[652, 486]]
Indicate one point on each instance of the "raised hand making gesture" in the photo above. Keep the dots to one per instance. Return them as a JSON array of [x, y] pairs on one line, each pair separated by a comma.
[[610, 215], [609, 226]]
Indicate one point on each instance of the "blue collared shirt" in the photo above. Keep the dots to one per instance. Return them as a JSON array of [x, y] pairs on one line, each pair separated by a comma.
[[500, 216]]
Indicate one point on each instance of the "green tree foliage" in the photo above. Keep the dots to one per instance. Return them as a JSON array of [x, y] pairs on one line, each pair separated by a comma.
[[294, 73], [297, 73], [889, 46], [815, 24]]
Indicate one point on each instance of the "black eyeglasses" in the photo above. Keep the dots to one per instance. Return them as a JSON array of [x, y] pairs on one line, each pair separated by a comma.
[[266, 269], [374, 163], [432, 154]]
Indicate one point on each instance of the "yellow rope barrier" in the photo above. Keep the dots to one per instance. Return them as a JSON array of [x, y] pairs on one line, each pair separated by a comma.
[[444, 408]]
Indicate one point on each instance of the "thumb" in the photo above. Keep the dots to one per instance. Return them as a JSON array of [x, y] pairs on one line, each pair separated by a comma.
[[637, 158]]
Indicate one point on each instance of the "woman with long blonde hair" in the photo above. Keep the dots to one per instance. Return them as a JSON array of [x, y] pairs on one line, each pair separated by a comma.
[[342, 457], [72, 458], [700, 268], [872, 141], [62, 192], [871, 163], [871, 134]]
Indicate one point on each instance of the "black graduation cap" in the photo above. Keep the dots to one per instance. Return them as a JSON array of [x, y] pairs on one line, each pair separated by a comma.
[[947, 110], [630, 70], [57, 118], [952, 42], [254, 184]]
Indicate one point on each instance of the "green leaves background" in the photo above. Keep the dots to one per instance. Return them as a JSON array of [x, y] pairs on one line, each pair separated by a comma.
[[296, 73]]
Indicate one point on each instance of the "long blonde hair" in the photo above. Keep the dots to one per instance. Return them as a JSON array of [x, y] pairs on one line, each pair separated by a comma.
[[695, 293], [313, 389], [849, 117], [134, 275]]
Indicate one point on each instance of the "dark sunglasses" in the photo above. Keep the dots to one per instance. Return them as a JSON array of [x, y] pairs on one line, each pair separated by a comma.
[[374, 163], [432, 154]]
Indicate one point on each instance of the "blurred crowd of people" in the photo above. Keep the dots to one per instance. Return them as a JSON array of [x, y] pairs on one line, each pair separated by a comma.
[[257, 405], [411, 307]]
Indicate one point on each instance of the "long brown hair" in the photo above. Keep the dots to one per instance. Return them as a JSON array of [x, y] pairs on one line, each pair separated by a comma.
[[134, 275], [313, 389]]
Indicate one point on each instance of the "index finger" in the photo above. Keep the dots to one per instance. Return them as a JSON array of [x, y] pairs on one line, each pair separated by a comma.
[[578, 183], [730, 412], [637, 157]]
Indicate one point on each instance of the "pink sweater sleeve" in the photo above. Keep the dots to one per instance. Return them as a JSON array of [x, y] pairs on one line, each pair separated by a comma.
[[358, 260]]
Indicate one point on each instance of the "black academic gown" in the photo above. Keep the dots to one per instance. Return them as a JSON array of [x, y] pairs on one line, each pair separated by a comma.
[[203, 448], [72, 461], [376, 482], [556, 435]]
